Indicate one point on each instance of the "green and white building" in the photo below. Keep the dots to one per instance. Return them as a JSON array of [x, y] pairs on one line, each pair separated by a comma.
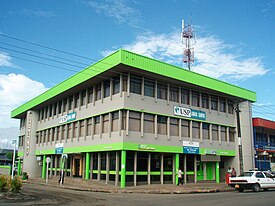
[[131, 120]]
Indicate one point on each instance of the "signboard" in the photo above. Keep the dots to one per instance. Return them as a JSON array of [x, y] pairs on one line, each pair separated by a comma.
[[190, 147], [67, 118], [28, 136], [145, 147], [59, 147], [190, 113]]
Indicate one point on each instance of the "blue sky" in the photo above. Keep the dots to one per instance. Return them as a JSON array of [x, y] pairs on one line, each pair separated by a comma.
[[235, 43]]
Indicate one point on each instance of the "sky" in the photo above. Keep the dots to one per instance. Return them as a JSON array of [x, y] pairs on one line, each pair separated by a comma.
[[43, 42]]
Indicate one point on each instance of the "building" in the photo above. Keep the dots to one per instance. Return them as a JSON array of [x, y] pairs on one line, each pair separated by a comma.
[[264, 143], [130, 120]]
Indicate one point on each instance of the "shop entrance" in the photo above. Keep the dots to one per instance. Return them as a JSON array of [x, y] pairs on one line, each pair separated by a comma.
[[77, 166]]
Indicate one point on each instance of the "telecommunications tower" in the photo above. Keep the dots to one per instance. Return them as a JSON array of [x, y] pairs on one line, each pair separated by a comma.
[[188, 39]]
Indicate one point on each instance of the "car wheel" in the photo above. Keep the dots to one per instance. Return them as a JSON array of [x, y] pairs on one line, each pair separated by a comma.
[[256, 188], [240, 189]]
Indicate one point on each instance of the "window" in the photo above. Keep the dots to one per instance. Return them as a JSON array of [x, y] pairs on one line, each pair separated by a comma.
[[174, 94], [205, 131], [54, 108], [162, 125], [115, 119], [135, 85], [195, 99], [230, 106], [205, 101], [223, 133], [65, 105], [222, 105], [185, 96], [90, 94], [75, 129], [134, 121], [215, 132], [174, 127], [83, 97], [76, 100], [89, 127], [53, 134], [196, 130], [42, 113], [98, 92], [105, 123], [185, 128], [50, 111], [63, 132], [231, 134], [58, 137], [70, 130], [149, 88], [162, 91], [82, 128], [46, 112], [97, 125], [149, 123], [124, 82], [116, 85], [214, 103], [71, 100], [123, 120], [106, 88], [44, 136]]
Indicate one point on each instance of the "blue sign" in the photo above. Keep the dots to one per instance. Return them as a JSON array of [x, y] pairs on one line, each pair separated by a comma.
[[59, 150], [196, 114], [191, 150]]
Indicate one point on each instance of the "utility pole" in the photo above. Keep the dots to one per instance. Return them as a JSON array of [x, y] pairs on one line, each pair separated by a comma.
[[240, 148]]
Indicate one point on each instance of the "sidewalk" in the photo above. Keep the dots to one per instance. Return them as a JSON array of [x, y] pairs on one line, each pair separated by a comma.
[[95, 186]]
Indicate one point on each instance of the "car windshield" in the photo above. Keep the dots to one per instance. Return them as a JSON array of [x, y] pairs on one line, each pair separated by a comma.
[[246, 174]]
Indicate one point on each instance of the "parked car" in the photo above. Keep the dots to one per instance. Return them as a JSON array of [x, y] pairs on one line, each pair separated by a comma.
[[254, 180]]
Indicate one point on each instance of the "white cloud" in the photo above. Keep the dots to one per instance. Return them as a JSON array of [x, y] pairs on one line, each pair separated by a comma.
[[212, 56], [5, 60], [117, 9], [16, 89]]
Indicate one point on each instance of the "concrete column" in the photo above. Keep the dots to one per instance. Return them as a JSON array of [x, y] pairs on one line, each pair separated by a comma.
[[204, 171], [44, 167], [87, 166], [98, 166], [107, 167], [117, 169], [175, 168], [55, 165], [91, 165], [135, 168], [161, 168], [217, 172], [123, 169], [185, 169], [195, 169], [149, 169]]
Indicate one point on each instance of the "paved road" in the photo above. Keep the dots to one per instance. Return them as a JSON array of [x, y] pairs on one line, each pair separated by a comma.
[[45, 195]]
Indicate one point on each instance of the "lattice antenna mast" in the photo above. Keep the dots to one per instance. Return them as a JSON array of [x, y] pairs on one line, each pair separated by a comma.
[[188, 39]]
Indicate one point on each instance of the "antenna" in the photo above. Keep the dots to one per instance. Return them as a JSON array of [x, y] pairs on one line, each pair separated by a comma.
[[188, 39]]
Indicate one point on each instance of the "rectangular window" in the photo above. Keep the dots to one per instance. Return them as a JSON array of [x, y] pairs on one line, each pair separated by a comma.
[[195, 99], [185, 96], [123, 120], [60, 107], [134, 121], [149, 123], [162, 125], [230, 107], [135, 85], [42, 113], [174, 127], [90, 94], [44, 136], [53, 134], [222, 105], [71, 100], [46, 112], [149, 87], [223, 133], [98, 92], [231, 134], [196, 130], [58, 137], [89, 127], [105, 123], [75, 129], [54, 108], [174, 94], [205, 131], [83, 97], [214, 103], [82, 128], [116, 85], [70, 131], [115, 119], [50, 111], [162, 91], [76, 100], [106, 86], [185, 128], [97, 125], [215, 132], [124, 82], [65, 105], [63, 132], [205, 101]]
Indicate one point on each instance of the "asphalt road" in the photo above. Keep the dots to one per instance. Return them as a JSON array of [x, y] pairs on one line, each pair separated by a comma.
[[45, 195]]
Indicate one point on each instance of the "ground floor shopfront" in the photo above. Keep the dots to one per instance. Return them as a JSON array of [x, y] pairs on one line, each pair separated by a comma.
[[142, 166]]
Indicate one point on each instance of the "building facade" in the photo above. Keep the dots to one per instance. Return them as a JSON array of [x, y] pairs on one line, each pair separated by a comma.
[[264, 142], [131, 120]]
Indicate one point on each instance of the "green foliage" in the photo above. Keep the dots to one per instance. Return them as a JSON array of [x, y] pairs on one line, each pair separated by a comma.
[[15, 184], [3, 183]]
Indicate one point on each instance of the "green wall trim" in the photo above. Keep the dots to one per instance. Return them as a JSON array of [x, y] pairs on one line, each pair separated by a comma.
[[5, 166], [138, 62]]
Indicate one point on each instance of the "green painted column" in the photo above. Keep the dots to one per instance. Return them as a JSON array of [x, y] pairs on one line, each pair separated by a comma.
[[123, 169], [87, 166], [19, 167], [217, 172], [177, 163], [44, 167]]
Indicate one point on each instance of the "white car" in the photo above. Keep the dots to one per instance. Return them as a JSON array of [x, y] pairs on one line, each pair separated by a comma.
[[254, 180]]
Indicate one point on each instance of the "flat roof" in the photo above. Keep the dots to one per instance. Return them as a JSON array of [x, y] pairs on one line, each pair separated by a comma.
[[139, 62], [260, 122]]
